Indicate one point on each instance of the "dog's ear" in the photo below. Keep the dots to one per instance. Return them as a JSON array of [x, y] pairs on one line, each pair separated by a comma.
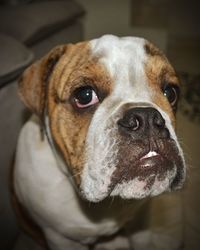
[[34, 82]]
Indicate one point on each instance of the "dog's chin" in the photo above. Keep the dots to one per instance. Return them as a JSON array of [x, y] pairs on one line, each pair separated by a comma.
[[136, 188], [150, 182]]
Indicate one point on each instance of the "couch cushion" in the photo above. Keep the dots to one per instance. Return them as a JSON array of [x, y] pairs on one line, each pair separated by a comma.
[[14, 58], [36, 20]]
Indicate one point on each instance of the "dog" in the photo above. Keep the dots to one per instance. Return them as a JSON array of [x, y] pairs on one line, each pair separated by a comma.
[[101, 139]]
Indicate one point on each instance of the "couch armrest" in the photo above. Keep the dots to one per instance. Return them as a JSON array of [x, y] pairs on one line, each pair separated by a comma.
[[14, 58]]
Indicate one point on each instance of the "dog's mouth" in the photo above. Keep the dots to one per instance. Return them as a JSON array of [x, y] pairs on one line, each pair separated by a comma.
[[147, 170], [152, 160]]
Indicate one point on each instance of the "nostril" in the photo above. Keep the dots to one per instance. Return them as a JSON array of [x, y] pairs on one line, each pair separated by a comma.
[[159, 125], [132, 123], [135, 123], [158, 121]]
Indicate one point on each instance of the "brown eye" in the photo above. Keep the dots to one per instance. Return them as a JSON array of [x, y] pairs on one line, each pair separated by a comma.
[[171, 92]]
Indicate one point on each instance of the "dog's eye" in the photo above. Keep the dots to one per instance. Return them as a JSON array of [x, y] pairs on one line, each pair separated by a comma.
[[85, 97], [171, 92]]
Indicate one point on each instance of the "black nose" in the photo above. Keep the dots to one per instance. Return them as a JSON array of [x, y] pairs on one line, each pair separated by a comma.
[[143, 122]]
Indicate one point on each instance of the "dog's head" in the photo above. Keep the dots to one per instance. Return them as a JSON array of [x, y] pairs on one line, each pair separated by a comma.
[[108, 107]]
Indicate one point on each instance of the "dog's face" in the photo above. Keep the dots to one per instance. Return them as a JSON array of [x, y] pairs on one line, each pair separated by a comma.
[[109, 106]]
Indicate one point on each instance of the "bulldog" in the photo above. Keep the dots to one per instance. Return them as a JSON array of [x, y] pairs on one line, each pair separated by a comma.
[[102, 138]]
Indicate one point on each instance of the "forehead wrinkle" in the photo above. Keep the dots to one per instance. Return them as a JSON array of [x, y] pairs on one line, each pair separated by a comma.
[[158, 67], [77, 57]]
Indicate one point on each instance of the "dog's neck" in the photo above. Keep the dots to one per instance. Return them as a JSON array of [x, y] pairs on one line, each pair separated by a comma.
[[58, 158], [48, 193]]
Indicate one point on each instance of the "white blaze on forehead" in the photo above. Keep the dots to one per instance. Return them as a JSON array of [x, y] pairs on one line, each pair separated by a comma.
[[124, 59]]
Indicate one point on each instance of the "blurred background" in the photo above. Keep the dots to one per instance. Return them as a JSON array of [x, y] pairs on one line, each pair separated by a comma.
[[30, 28]]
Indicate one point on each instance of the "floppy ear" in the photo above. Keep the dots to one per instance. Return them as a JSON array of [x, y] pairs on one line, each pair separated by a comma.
[[34, 81]]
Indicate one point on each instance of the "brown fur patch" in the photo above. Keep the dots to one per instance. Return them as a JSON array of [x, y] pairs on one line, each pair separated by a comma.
[[159, 71], [69, 126]]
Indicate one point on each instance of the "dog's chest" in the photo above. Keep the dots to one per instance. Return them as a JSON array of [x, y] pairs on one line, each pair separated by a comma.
[[51, 199]]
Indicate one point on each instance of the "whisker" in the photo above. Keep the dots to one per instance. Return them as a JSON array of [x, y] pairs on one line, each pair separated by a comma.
[[111, 201], [71, 176]]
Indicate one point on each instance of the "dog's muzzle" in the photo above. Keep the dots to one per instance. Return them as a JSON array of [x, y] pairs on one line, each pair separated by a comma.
[[143, 159], [148, 154]]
